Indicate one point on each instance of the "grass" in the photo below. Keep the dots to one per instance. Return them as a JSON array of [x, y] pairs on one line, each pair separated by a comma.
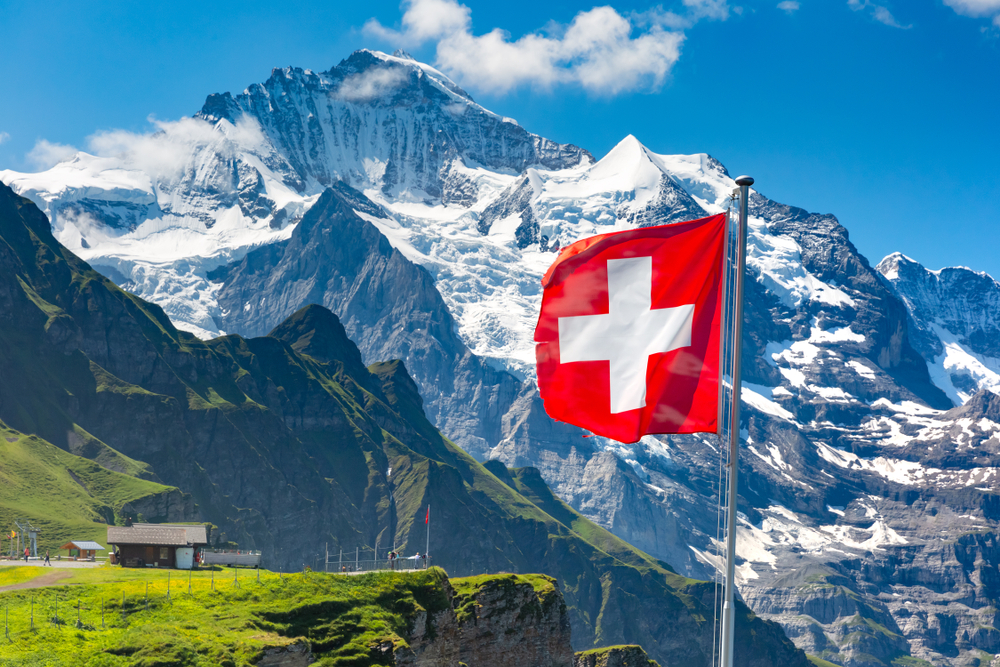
[[342, 618], [18, 574], [468, 588], [910, 661], [68, 497], [631, 651], [820, 662]]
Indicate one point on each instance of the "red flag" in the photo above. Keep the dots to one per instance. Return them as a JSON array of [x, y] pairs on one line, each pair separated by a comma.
[[428, 519], [627, 342]]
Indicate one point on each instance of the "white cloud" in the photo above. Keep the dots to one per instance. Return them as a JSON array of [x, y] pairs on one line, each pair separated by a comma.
[[426, 20], [4, 136], [708, 9], [600, 50], [975, 7], [877, 12], [45, 154], [788, 6], [370, 84], [166, 152]]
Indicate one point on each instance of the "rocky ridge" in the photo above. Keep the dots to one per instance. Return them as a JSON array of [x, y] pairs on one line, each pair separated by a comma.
[[290, 441], [615, 656], [852, 448], [492, 620], [953, 316]]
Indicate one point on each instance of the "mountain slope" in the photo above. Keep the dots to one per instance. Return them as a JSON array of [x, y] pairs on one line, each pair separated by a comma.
[[852, 450], [284, 450], [955, 316], [68, 497]]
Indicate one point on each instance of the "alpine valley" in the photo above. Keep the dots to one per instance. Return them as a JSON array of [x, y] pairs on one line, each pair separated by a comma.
[[345, 265]]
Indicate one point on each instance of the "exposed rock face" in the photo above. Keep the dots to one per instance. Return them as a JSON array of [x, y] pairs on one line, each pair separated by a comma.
[[955, 323], [337, 259], [169, 507], [297, 654], [615, 656], [503, 621], [288, 442], [424, 123], [852, 451]]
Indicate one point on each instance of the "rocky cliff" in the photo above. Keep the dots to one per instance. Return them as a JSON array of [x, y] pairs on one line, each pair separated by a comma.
[[614, 656], [493, 620], [289, 441], [431, 251], [953, 316]]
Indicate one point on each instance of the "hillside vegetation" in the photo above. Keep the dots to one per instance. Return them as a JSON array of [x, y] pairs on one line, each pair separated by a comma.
[[289, 442], [340, 618], [66, 496]]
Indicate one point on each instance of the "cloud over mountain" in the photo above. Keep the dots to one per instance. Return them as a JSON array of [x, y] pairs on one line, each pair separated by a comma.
[[601, 50]]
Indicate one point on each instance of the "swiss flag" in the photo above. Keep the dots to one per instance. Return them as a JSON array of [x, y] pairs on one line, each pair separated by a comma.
[[627, 342]]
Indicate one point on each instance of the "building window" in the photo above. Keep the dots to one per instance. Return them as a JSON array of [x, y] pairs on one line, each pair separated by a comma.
[[164, 553]]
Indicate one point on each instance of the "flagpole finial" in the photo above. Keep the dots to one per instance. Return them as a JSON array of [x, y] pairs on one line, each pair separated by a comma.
[[744, 180]]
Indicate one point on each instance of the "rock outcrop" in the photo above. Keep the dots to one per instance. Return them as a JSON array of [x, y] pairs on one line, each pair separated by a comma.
[[493, 620], [285, 451], [614, 656]]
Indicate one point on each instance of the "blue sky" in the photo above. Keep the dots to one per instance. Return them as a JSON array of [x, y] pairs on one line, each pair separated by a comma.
[[884, 113]]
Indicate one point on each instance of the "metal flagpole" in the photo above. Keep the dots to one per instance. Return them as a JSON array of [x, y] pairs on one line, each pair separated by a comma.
[[729, 608]]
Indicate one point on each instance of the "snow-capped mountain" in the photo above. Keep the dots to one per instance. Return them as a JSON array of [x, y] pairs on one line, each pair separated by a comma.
[[955, 323], [869, 475], [158, 212]]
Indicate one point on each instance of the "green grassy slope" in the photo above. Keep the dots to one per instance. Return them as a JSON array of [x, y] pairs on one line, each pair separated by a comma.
[[286, 442], [340, 617], [68, 497]]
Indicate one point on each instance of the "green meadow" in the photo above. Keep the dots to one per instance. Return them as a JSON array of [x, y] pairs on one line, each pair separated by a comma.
[[110, 617]]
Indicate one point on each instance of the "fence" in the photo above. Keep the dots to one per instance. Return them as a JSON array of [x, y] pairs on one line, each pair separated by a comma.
[[367, 560], [398, 565], [107, 605], [112, 604]]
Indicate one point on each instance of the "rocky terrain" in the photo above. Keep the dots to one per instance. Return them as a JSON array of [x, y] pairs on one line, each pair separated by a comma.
[[289, 441], [869, 442], [615, 656]]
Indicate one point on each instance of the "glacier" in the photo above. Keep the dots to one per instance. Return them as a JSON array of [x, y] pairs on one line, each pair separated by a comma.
[[872, 424]]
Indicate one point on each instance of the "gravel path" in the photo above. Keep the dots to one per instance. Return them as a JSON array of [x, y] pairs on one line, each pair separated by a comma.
[[38, 582]]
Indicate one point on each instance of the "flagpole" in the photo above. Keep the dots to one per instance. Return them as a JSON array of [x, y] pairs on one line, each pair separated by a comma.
[[729, 607], [427, 549]]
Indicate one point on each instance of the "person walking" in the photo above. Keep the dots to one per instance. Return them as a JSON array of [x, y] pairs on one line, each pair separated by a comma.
[[25, 554], [47, 561]]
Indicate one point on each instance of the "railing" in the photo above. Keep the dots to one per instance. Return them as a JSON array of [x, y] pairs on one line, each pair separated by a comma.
[[352, 566]]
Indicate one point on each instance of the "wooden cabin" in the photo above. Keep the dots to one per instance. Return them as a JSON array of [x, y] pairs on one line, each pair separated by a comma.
[[84, 549], [157, 544]]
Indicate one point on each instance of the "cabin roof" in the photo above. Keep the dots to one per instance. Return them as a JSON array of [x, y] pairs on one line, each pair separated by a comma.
[[160, 534]]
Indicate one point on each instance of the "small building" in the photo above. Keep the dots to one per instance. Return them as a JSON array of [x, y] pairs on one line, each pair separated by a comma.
[[83, 548], [157, 544]]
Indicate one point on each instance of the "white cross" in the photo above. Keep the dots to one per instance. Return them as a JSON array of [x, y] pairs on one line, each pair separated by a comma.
[[628, 334]]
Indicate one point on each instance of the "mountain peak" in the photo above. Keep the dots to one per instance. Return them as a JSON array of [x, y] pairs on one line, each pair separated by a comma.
[[391, 70], [630, 163], [317, 332], [891, 264]]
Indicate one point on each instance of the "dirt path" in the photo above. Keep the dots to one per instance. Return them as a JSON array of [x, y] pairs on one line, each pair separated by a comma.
[[38, 582]]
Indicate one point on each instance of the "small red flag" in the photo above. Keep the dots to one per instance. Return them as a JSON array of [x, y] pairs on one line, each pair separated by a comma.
[[627, 341], [428, 519]]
